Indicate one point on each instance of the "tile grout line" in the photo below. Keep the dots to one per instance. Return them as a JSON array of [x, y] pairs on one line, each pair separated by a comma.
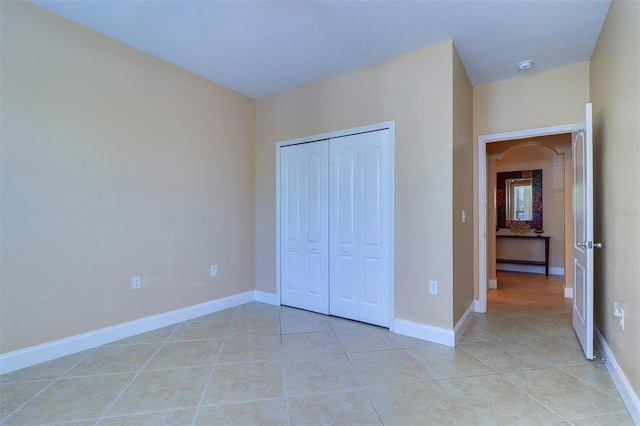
[[530, 395], [52, 381], [284, 374], [215, 363], [117, 398]]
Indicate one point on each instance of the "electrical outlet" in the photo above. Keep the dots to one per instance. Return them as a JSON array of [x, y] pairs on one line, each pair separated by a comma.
[[433, 287], [213, 271], [136, 283]]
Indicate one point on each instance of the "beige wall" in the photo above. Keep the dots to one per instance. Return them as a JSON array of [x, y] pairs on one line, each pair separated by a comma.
[[415, 91], [545, 99], [552, 154], [462, 189], [615, 93], [114, 164], [538, 100]]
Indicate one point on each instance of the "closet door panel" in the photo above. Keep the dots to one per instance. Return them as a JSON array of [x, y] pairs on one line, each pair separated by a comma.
[[343, 188], [304, 226], [359, 180], [374, 166]]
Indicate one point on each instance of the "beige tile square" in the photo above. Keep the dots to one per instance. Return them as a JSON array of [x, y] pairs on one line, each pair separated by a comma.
[[310, 344], [475, 333], [248, 349], [13, 395], [162, 390], [346, 324], [366, 340], [622, 418], [287, 311], [72, 399], [505, 355], [254, 326], [556, 351], [200, 330], [336, 408], [555, 325], [155, 336], [564, 394], [114, 359], [245, 382], [327, 373], [412, 404], [45, 371], [168, 418], [224, 315], [504, 399], [304, 324], [190, 353], [443, 362], [256, 310], [387, 367], [407, 341], [595, 374], [268, 412]]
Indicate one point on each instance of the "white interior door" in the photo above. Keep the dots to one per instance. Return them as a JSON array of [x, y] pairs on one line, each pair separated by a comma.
[[304, 221], [359, 223], [583, 233]]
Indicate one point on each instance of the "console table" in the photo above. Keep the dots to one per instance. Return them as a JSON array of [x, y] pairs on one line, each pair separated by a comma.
[[544, 263]]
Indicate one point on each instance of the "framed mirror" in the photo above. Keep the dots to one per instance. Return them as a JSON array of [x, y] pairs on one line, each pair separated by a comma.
[[519, 203], [519, 197]]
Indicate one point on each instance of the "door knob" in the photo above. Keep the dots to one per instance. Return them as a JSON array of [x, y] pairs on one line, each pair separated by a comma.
[[581, 244]]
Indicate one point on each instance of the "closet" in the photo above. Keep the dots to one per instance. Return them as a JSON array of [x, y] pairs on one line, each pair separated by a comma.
[[335, 226]]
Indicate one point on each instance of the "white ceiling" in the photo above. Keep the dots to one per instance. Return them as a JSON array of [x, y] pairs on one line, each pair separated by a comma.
[[263, 47]]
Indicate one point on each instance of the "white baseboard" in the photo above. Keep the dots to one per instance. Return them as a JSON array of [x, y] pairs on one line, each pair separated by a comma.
[[464, 322], [530, 269], [477, 307], [268, 298], [33, 355], [425, 332], [493, 283], [568, 292], [630, 399]]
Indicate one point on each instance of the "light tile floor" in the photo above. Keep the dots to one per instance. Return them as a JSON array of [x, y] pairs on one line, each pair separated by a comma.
[[520, 363]]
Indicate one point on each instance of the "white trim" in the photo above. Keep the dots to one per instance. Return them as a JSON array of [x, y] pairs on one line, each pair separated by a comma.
[[529, 269], [347, 132], [33, 355], [493, 283], [630, 399], [568, 292], [268, 298], [464, 322], [430, 333], [476, 307], [483, 140]]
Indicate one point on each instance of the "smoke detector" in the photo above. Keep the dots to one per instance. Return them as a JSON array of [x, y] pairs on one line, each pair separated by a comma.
[[525, 65]]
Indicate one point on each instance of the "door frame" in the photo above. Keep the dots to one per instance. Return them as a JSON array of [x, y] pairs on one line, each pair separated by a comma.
[[483, 140], [390, 125]]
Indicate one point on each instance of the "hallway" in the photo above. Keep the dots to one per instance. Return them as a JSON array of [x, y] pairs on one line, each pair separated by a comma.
[[527, 337]]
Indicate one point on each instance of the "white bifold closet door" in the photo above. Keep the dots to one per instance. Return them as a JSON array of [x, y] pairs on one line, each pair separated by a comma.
[[304, 234], [335, 226], [359, 227]]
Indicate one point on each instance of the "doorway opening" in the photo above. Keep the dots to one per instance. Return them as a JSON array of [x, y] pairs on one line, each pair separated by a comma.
[[487, 223]]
